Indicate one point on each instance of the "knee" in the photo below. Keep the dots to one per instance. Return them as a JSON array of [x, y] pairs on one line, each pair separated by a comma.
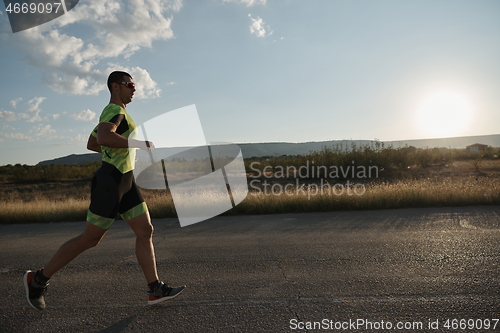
[[145, 232]]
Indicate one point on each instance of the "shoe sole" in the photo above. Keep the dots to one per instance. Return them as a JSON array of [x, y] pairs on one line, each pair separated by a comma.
[[156, 301], [27, 288]]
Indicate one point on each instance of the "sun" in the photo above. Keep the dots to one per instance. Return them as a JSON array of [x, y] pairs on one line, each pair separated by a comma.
[[444, 114]]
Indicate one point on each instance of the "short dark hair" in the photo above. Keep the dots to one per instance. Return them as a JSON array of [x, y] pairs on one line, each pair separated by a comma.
[[117, 76]]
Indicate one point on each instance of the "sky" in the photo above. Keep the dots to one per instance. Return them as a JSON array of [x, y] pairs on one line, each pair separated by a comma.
[[257, 70]]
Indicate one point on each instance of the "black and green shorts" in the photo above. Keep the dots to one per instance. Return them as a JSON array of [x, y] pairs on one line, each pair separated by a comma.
[[111, 193]]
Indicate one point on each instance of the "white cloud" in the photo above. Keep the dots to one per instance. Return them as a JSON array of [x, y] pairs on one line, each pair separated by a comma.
[[85, 115], [80, 138], [74, 65], [14, 136], [248, 3], [42, 130], [258, 27], [146, 87], [77, 140], [7, 116], [32, 114], [53, 116], [5, 126], [14, 102], [80, 83]]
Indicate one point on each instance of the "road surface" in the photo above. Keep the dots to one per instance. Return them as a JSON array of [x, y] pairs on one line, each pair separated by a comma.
[[368, 271]]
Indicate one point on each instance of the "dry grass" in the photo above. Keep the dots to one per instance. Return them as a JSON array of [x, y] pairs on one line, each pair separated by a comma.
[[456, 184], [400, 194], [43, 210]]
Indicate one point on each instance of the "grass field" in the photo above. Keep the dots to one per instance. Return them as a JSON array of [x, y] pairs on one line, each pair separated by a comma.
[[456, 183]]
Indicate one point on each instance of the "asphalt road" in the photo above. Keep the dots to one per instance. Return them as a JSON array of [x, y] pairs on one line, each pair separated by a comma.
[[270, 273]]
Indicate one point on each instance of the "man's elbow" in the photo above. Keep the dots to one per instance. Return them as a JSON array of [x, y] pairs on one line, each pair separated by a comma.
[[101, 140]]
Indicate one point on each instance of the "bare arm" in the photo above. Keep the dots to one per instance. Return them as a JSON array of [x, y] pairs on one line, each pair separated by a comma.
[[107, 136], [93, 145]]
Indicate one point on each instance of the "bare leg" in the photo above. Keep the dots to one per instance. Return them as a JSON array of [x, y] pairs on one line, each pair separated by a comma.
[[144, 249], [90, 237]]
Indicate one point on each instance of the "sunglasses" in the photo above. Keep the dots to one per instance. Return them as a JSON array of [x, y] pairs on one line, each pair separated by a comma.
[[128, 84]]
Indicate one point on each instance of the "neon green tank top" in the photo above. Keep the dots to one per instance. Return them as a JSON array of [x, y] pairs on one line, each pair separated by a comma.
[[122, 158]]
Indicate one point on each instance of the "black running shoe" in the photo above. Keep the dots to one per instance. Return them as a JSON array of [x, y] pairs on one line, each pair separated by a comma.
[[34, 291], [164, 293]]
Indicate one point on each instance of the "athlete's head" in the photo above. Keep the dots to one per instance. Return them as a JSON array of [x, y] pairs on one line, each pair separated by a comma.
[[117, 76], [121, 86]]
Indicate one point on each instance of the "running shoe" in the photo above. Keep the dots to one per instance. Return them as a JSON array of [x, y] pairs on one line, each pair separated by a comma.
[[164, 293], [34, 291]]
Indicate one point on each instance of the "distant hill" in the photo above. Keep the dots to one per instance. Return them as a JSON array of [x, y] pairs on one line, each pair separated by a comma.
[[460, 142], [73, 159], [289, 148]]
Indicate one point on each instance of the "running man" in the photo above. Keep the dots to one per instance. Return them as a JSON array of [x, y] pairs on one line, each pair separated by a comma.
[[113, 191]]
